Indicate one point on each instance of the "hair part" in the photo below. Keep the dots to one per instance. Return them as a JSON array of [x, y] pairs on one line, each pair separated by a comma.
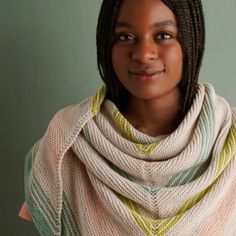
[[191, 25]]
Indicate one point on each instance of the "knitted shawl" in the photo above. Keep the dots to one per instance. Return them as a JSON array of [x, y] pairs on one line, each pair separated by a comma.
[[94, 174]]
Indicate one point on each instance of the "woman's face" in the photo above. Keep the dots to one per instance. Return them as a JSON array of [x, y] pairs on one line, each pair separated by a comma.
[[146, 55]]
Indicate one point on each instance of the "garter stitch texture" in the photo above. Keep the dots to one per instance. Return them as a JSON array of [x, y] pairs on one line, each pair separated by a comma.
[[94, 174]]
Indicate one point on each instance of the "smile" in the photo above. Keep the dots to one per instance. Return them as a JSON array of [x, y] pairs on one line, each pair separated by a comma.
[[146, 76]]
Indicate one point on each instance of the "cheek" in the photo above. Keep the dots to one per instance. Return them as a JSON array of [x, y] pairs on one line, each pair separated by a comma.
[[172, 56], [119, 59]]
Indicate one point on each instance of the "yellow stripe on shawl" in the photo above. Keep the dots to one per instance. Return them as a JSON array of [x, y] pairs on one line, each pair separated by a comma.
[[126, 131], [124, 125], [146, 148], [97, 100], [228, 150], [147, 224], [162, 226]]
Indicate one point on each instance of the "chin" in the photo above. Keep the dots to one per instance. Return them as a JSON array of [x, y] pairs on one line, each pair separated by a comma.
[[147, 95], [155, 92]]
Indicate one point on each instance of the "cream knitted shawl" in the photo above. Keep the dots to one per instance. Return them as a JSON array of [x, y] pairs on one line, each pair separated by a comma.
[[94, 174]]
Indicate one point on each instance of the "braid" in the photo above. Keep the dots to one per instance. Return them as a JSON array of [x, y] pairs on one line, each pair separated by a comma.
[[191, 24], [190, 18], [105, 37]]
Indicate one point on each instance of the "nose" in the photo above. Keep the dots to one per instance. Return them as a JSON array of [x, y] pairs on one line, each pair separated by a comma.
[[145, 51]]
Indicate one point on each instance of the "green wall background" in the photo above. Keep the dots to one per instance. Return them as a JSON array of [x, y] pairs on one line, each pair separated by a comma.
[[48, 61]]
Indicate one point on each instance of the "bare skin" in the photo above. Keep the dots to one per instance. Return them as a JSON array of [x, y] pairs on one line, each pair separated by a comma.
[[147, 59], [154, 118]]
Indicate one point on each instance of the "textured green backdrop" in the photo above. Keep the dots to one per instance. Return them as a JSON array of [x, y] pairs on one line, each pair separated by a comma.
[[48, 61]]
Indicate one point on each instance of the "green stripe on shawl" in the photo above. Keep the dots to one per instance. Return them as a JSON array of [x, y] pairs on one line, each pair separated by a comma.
[[161, 227], [152, 189], [69, 225], [65, 230], [206, 125], [119, 171], [43, 202], [45, 221], [38, 218], [86, 132]]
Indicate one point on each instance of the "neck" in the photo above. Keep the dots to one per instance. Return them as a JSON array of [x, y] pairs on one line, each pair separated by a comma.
[[156, 116]]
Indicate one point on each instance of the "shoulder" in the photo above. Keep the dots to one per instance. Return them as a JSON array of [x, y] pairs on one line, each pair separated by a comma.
[[65, 126], [75, 116], [67, 123], [71, 116]]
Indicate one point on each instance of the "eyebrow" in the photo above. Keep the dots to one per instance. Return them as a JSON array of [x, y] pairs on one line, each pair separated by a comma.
[[157, 24]]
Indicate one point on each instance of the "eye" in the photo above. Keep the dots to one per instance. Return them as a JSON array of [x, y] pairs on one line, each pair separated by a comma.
[[125, 37], [164, 36]]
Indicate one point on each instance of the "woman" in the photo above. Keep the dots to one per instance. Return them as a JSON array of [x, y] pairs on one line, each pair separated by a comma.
[[153, 152]]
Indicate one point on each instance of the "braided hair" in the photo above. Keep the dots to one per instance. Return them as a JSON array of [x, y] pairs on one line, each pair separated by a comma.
[[191, 24]]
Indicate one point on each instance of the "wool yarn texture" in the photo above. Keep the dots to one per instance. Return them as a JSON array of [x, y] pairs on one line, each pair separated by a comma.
[[94, 174]]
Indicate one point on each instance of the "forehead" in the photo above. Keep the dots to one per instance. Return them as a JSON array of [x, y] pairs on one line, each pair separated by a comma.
[[151, 10]]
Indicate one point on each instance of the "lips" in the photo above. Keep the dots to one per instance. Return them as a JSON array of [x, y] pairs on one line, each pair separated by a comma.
[[145, 72], [145, 75]]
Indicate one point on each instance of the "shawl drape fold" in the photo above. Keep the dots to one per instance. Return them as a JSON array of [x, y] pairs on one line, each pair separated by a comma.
[[94, 174]]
